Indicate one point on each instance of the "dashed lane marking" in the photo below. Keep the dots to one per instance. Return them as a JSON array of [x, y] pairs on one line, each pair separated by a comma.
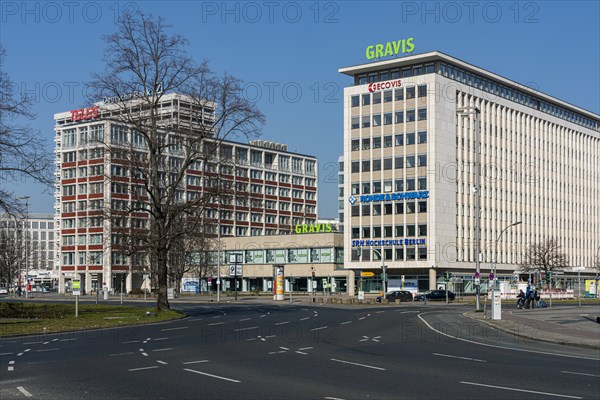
[[216, 323], [24, 391], [304, 319], [160, 338], [195, 362], [20, 354], [358, 364], [460, 358], [25, 344], [7, 354], [120, 354], [143, 368], [39, 351], [211, 375], [131, 341], [245, 329], [166, 349], [282, 323], [319, 328], [579, 373], [521, 390], [174, 329], [245, 319], [346, 322], [161, 362]]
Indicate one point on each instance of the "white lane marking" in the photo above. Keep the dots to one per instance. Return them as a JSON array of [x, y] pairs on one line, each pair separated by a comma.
[[521, 390], [245, 319], [67, 340], [282, 323], [301, 352], [161, 362], [143, 368], [11, 362], [195, 319], [283, 348], [346, 322], [160, 338], [26, 350], [120, 354], [217, 316], [11, 368], [251, 339], [245, 329], [7, 354], [39, 351], [54, 340], [144, 342], [25, 344], [502, 347], [145, 354], [332, 398], [216, 323], [404, 312], [305, 348], [131, 341], [166, 349], [148, 338], [195, 362], [270, 336], [173, 329], [304, 319], [25, 392], [358, 364], [361, 318], [379, 312], [461, 358], [45, 342], [20, 354], [211, 375], [262, 316], [579, 373], [141, 349], [319, 328]]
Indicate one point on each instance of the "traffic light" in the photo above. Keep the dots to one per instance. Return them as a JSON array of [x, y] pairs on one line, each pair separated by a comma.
[[383, 276], [447, 276]]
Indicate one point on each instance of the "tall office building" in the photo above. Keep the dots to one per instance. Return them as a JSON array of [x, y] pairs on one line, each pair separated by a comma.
[[270, 188], [412, 153]]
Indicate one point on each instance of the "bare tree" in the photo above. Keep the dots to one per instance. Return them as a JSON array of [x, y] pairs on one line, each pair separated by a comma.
[[157, 149], [11, 252], [545, 257], [22, 151]]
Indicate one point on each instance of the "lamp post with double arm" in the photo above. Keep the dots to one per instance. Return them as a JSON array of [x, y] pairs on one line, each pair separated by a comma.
[[26, 245]]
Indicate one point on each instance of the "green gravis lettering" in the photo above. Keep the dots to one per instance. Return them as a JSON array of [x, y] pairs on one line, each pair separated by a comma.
[[304, 228], [390, 48]]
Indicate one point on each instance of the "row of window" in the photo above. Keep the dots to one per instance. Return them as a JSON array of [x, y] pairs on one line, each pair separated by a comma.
[[400, 185], [389, 231], [11, 224], [282, 256], [389, 118], [410, 207], [395, 73], [388, 95], [389, 141], [398, 254], [389, 163]]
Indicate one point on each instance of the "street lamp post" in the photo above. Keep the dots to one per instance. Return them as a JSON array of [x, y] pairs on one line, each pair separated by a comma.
[[383, 270], [465, 112], [499, 316], [26, 232]]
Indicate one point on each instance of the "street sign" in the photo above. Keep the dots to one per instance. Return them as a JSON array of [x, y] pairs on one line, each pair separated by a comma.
[[477, 281], [76, 287], [491, 276], [236, 270], [476, 276], [367, 274]]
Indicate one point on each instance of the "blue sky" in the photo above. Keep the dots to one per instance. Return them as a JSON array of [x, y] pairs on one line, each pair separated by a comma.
[[292, 50]]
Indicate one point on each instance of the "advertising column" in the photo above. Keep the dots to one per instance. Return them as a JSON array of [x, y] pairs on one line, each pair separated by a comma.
[[278, 282]]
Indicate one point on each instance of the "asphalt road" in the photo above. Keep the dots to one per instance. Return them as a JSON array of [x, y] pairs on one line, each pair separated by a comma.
[[298, 352]]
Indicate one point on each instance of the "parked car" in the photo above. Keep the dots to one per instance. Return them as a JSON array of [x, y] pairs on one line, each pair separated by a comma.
[[433, 295], [3, 290], [401, 295]]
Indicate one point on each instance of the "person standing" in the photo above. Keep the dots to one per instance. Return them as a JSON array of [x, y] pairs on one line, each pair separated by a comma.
[[527, 297]]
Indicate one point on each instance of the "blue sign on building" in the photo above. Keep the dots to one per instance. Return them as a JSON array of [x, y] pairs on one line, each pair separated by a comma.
[[387, 242], [372, 198]]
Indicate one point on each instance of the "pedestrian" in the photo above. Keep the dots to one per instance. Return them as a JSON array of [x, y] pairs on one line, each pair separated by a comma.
[[532, 297], [537, 298], [527, 297], [19, 290], [521, 300]]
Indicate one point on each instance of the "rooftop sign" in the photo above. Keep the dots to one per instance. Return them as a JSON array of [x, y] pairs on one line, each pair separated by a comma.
[[390, 48]]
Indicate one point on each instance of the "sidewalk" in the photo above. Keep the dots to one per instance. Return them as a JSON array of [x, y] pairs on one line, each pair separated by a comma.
[[573, 326]]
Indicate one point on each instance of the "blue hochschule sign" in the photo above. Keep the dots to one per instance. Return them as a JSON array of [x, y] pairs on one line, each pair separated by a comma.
[[387, 242], [372, 198]]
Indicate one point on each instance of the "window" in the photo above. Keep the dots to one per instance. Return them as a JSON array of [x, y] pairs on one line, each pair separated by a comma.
[[399, 230], [355, 211], [387, 96], [366, 232], [399, 94], [399, 208], [69, 190], [422, 206], [422, 230], [366, 165], [355, 166], [376, 231], [377, 98], [366, 121], [410, 115], [387, 141], [399, 117], [355, 123], [410, 184], [387, 118], [377, 142], [388, 209], [366, 99], [118, 134], [355, 144], [410, 138], [399, 139], [422, 91], [422, 135], [410, 207], [422, 253], [387, 163], [410, 230], [410, 92], [69, 156], [399, 185], [422, 160], [355, 100], [410, 253], [355, 188], [400, 254], [376, 187], [377, 164], [422, 183], [422, 114], [399, 162]]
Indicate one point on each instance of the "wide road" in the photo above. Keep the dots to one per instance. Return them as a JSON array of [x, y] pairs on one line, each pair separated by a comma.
[[270, 351]]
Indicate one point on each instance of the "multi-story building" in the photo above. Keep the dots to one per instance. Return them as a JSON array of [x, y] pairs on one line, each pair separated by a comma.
[[341, 197], [37, 239], [416, 165], [270, 188]]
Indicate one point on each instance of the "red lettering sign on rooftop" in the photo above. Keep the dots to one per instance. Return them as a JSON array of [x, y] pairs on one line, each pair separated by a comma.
[[85, 113]]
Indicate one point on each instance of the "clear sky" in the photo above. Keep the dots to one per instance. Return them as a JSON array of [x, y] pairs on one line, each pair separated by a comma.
[[288, 53]]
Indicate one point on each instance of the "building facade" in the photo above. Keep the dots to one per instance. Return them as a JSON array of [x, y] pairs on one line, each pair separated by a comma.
[[416, 164], [34, 235], [271, 189]]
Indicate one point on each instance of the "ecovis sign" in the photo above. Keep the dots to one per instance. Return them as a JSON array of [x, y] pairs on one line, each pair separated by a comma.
[[377, 86]]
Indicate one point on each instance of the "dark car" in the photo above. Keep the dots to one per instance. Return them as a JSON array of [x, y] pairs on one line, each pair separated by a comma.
[[401, 295], [434, 295]]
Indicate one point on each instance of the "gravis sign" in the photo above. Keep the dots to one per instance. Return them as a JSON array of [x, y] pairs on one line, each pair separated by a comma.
[[313, 228], [390, 48]]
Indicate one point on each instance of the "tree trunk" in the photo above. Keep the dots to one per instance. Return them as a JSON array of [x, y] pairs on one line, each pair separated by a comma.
[[162, 301]]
